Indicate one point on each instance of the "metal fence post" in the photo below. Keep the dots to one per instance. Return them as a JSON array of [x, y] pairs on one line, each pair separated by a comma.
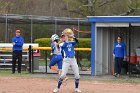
[[46, 55], [30, 50], [78, 61], [6, 28], [129, 53]]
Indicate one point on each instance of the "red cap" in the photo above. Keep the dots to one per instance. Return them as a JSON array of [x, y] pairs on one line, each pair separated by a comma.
[[17, 31]]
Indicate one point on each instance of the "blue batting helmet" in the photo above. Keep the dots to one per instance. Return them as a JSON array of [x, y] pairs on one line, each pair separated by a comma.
[[54, 37]]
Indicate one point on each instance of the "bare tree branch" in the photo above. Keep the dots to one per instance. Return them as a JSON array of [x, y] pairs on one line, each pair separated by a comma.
[[130, 11], [106, 2], [77, 12], [90, 3]]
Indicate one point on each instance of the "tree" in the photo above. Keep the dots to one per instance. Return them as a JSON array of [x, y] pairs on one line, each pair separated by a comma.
[[83, 8]]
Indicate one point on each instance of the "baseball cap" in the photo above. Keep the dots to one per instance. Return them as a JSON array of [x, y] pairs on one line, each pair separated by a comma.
[[17, 31]]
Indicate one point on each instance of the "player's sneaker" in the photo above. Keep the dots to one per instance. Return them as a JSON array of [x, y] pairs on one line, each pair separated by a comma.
[[78, 90], [118, 76], [56, 90], [115, 75]]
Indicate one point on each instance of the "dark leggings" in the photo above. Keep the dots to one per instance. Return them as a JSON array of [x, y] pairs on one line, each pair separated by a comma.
[[118, 65], [17, 55]]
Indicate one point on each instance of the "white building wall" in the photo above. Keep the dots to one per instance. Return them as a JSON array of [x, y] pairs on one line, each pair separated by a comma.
[[98, 57], [104, 49]]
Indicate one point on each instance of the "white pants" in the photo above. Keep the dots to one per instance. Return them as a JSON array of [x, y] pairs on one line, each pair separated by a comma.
[[70, 62]]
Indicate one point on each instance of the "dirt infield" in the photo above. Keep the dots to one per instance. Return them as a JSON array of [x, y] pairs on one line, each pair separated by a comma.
[[44, 85]]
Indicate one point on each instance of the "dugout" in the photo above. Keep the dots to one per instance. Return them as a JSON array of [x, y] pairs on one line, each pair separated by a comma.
[[104, 31]]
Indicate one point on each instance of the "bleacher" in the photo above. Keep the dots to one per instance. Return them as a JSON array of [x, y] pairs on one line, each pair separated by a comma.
[[6, 56]]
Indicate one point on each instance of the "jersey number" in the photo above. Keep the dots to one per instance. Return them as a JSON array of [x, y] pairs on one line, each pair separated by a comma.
[[69, 49]]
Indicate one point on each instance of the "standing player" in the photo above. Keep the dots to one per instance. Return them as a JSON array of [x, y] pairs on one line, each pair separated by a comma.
[[18, 42], [119, 54], [69, 61], [56, 55]]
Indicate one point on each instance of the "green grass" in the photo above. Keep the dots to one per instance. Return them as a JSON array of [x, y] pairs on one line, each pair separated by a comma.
[[85, 63], [43, 63], [9, 73]]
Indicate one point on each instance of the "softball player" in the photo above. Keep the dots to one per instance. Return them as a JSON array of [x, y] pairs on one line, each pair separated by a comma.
[[56, 55], [69, 61], [119, 54]]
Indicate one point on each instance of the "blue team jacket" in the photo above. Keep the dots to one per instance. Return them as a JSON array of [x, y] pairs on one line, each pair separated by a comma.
[[19, 41], [68, 49], [120, 50]]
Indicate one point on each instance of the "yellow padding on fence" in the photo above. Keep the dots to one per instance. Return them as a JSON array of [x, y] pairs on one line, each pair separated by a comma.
[[41, 48], [6, 49], [82, 49], [46, 48]]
